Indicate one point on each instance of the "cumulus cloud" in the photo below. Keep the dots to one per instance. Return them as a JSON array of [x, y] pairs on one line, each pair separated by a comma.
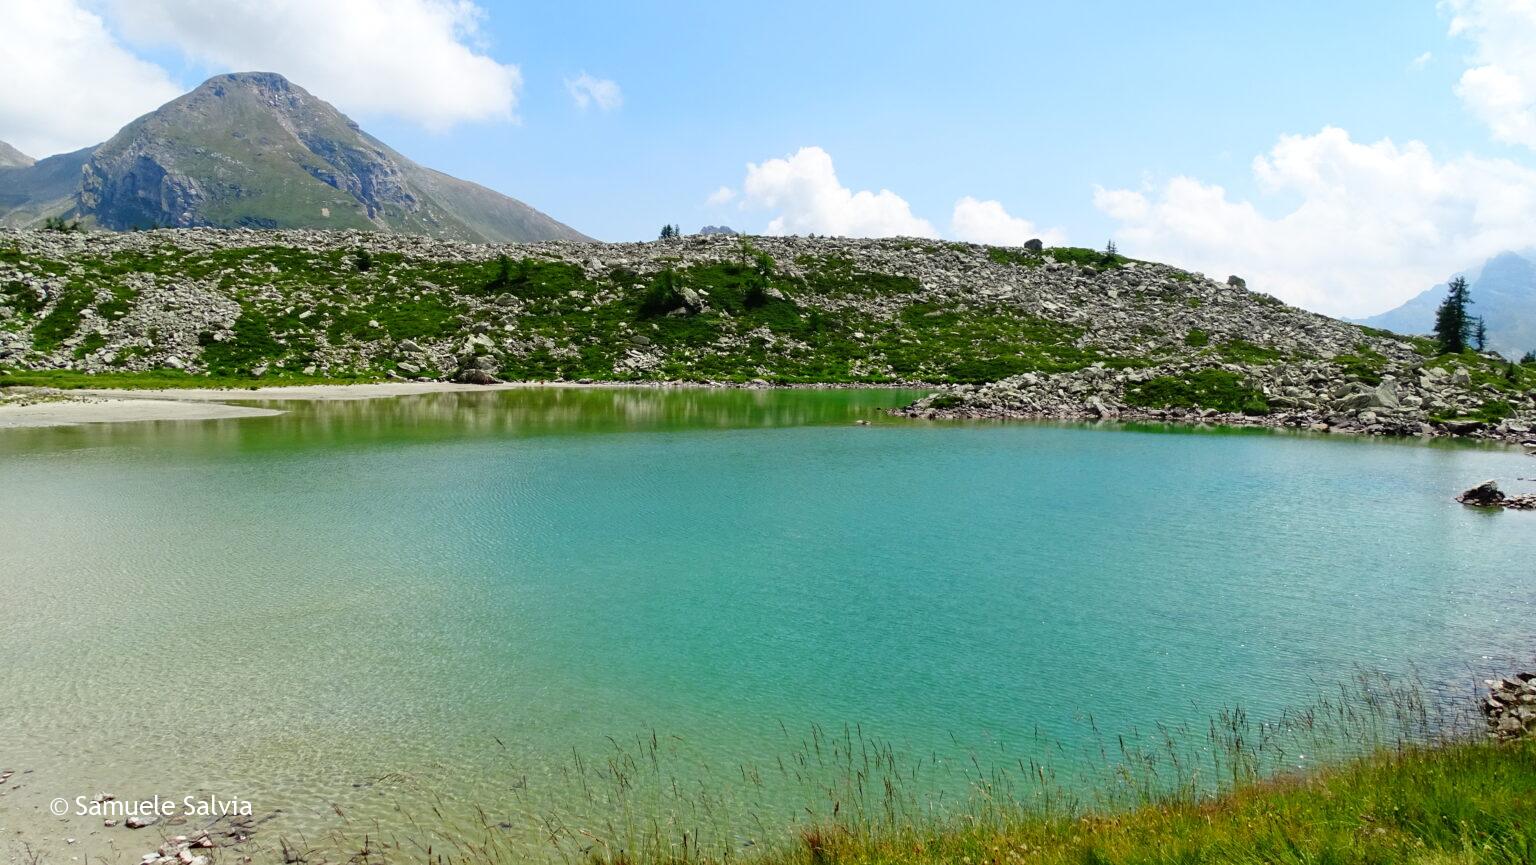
[[1374, 223], [587, 91], [805, 191], [722, 196], [1500, 86], [1421, 61], [68, 83], [419, 60], [989, 222]]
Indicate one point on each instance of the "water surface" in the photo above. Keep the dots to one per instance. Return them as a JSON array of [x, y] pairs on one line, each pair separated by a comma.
[[355, 603]]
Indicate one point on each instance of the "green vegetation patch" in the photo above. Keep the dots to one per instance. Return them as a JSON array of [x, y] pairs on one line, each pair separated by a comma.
[[1459, 804], [1206, 389]]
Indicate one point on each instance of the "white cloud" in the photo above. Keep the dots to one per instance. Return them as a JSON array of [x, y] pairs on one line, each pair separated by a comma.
[[988, 222], [1500, 88], [1375, 223], [807, 198], [68, 84], [587, 91], [722, 196], [805, 191], [415, 59], [1421, 61]]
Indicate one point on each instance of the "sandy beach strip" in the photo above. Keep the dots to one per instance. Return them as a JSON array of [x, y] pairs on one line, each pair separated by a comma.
[[67, 412]]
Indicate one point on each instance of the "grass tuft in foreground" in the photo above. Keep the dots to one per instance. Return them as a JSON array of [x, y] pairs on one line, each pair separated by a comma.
[[1469, 802]]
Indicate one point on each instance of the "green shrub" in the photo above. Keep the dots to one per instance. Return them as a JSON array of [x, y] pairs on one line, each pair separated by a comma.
[[661, 296], [1197, 338], [1209, 388]]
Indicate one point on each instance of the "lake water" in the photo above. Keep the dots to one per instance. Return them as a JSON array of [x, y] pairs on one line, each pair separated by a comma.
[[479, 600]]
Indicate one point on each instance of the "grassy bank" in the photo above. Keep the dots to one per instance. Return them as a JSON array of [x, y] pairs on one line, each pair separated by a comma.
[[1463, 802]]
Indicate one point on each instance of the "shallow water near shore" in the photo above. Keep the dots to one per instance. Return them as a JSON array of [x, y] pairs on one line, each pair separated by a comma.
[[358, 610]]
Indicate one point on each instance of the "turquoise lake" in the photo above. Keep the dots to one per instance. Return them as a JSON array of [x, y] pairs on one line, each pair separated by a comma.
[[362, 608]]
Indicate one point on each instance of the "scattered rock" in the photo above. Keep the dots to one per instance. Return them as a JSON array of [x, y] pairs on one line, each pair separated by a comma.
[[1488, 495]]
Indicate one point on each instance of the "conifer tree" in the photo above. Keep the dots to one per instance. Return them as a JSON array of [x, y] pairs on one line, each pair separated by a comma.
[[1452, 324]]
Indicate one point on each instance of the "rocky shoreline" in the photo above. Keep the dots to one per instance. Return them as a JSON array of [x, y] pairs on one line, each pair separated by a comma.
[[1417, 400], [1510, 707]]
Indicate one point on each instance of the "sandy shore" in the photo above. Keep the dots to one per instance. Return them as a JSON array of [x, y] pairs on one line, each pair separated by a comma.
[[306, 391], [66, 412], [103, 405]]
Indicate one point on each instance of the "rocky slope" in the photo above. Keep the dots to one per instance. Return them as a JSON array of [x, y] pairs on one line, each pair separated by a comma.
[[1013, 333], [254, 150]]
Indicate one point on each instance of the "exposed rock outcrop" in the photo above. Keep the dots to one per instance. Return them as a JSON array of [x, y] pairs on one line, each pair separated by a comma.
[[1510, 706]]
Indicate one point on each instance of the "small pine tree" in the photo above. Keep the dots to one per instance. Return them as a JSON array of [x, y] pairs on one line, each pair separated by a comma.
[[1528, 359], [503, 278], [362, 261], [1451, 320], [1480, 334], [1111, 252]]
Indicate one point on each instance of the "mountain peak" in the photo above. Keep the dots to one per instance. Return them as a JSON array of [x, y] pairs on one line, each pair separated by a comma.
[[10, 157], [1503, 294], [255, 150]]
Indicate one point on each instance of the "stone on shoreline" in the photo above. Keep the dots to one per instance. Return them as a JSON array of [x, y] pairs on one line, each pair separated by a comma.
[[1510, 706]]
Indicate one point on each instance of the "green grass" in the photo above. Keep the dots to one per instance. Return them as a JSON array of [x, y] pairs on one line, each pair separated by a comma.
[[1364, 364], [1243, 351], [1207, 389], [1456, 804]]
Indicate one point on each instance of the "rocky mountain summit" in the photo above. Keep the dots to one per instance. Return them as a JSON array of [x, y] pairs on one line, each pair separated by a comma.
[[255, 150], [1008, 332], [10, 157]]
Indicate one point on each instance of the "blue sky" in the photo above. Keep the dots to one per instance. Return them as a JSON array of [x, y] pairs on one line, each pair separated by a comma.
[[1031, 104], [1383, 169]]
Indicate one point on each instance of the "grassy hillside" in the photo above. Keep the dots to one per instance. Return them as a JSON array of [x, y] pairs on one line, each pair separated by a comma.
[[784, 310]]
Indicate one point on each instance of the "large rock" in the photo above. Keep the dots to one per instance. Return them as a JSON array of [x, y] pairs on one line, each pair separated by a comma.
[[1385, 396], [474, 375]]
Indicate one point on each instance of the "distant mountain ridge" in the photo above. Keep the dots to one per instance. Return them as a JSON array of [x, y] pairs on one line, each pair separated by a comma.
[[1503, 293], [253, 150], [10, 157]]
